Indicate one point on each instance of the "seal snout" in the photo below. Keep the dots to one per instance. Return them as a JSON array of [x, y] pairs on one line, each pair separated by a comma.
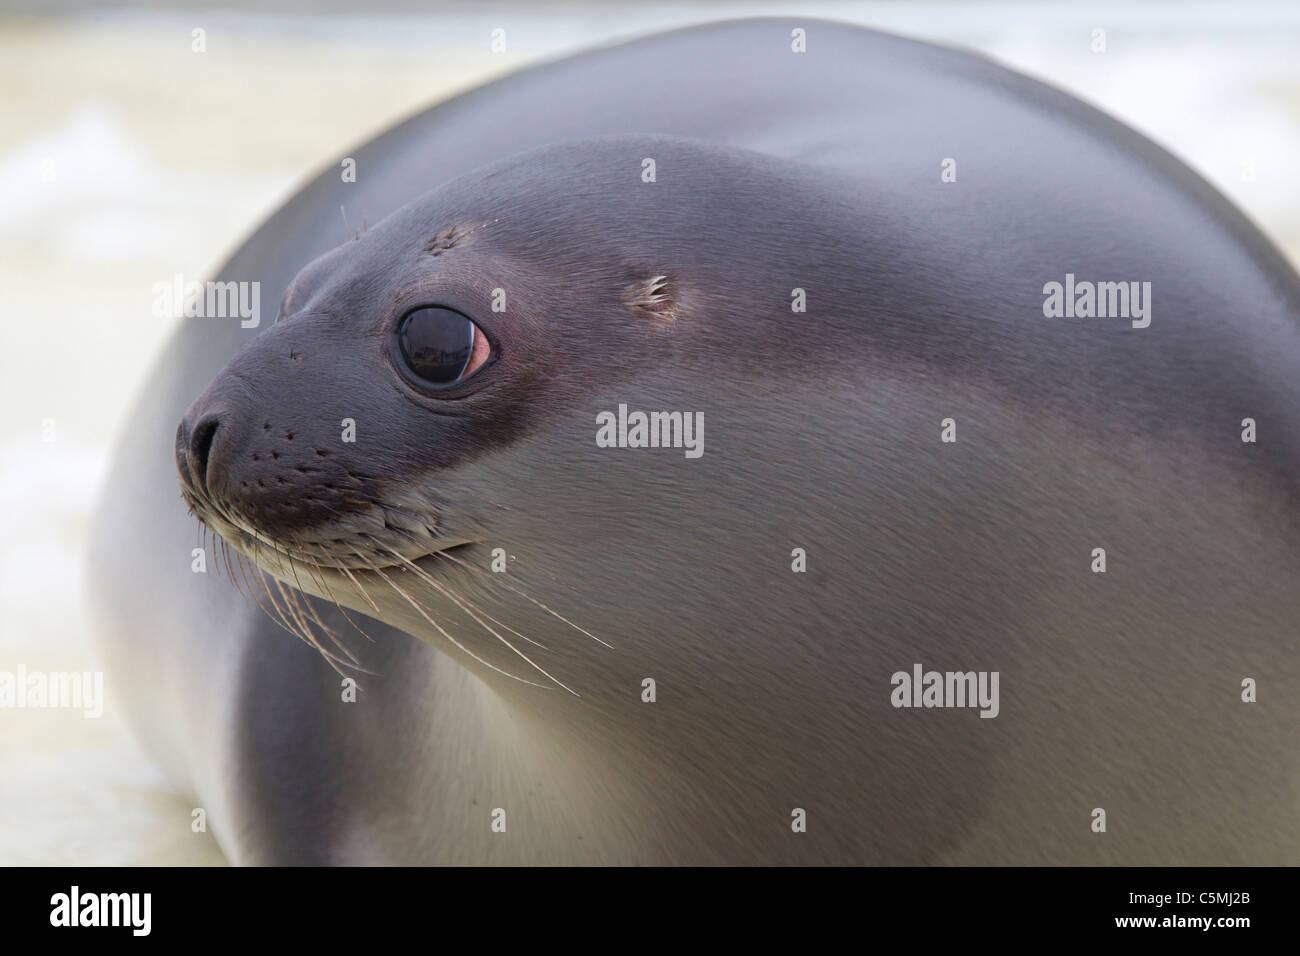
[[266, 476], [247, 468]]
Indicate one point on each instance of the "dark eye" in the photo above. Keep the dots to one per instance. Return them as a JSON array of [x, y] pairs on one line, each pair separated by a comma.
[[441, 346]]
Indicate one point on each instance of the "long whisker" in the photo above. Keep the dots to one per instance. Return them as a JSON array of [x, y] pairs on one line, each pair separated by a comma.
[[242, 564], [443, 631], [281, 613], [285, 607], [289, 609], [503, 626], [460, 604], [311, 610], [226, 551], [295, 609], [438, 584], [342, 610], [295, 613], [306, 614], [278, 618], [361, 590], [505, 584]]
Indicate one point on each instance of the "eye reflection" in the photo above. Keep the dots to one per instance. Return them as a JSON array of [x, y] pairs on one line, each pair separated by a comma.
[[439, 345]]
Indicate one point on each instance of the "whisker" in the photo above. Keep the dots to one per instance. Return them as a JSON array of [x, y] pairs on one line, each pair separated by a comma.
[[361, 590], [418, 570], [277, 620], [443, 631], [291, 608], [294, 609], [310, 608], [505, 584], [225, 554], [421, 571], [342, 610], [504, 626]]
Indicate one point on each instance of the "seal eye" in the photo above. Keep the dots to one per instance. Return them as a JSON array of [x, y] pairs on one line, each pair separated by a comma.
[[441, 346]]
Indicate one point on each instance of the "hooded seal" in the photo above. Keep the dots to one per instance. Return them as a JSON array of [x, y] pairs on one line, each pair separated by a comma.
[[971, 563]]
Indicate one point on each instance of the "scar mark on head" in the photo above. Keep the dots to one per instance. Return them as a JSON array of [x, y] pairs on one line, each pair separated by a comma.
[[451, 237], [445, 240], [653, 297]]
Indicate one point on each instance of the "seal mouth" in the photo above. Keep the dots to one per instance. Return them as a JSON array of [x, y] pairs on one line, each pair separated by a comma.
[[372, 548], [372, 533], [358, 563], [391, 551], [380, 539]]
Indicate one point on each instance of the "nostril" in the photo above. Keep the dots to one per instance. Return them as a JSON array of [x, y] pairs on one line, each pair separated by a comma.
[[201, 444]]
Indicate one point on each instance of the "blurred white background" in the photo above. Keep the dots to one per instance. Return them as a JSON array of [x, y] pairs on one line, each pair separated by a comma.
[[126, 158]]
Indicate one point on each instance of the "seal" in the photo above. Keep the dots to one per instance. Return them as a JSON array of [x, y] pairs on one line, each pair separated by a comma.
[[952, 575]]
